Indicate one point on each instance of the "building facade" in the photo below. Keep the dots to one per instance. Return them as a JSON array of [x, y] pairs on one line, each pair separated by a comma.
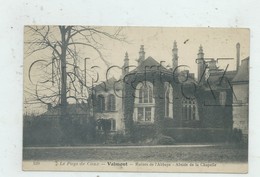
[[153, 95], [241, 98]]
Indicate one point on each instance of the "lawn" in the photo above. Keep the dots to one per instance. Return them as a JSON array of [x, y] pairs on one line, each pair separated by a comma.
[[214, 153]]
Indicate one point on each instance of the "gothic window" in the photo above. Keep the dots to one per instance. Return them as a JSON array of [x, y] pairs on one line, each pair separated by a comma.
[[168, 100], [144, 102], [111, 102], [145, 94], [167, 103], [100, 103], [189, 109]]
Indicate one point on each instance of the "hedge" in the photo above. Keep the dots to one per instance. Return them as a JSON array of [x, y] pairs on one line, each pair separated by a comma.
[[197, 134]]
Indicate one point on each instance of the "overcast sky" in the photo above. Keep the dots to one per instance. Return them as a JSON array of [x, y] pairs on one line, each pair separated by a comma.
[[158, 43]]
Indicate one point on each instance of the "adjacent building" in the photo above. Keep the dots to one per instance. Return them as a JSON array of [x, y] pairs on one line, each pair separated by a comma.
[[241, 98]]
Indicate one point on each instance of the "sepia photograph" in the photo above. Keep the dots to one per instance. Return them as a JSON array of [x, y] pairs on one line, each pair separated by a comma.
[[135, 99]]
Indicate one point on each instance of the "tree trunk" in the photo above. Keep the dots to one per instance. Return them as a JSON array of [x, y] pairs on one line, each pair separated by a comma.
[[63, 72], [64, 118]]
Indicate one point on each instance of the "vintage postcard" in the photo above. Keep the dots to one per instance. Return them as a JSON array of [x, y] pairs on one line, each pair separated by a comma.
[[137, 99]]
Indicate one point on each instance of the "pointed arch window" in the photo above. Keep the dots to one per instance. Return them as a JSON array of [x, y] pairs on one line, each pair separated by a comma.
[[145, 94], [144, 102], [100, 103], [167, 103]]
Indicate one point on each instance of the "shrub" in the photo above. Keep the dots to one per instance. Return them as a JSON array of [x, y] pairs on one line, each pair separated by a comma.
[[142, 133], [119, 138], [48, 131], [197, 135], [164, 140], [236, 136]]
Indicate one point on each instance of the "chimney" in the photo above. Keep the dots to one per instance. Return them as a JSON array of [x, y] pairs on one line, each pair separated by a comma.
[[126, 64], [200, 53], [238, 56], [141, 55], [201, 65], [174, 55]]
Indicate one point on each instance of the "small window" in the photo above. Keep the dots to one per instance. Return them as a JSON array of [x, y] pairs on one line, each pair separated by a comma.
[[106, 124], [113, 124], [111, 103], [189, 110]]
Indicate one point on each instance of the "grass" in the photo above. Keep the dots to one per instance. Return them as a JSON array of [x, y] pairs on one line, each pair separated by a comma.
[[220, 153]]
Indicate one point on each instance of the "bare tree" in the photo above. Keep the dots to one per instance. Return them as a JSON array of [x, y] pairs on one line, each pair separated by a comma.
[[61, 77]]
